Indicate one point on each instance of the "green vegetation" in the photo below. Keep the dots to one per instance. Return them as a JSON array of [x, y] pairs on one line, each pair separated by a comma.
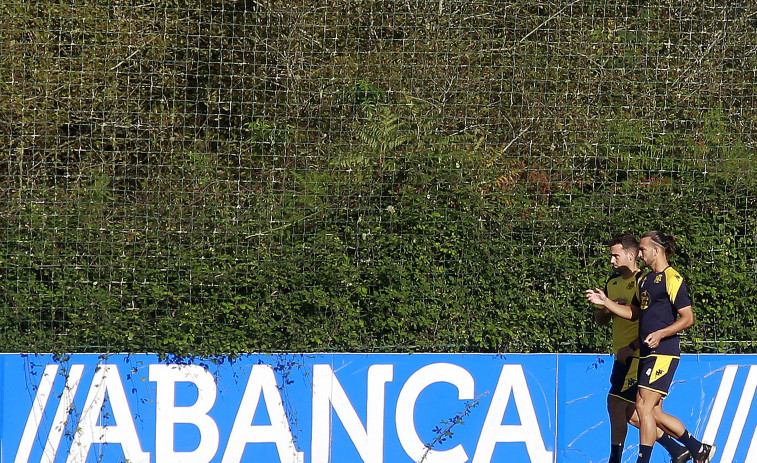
[[220, 177]]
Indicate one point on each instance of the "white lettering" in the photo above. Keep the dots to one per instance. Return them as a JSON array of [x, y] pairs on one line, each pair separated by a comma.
[[405, 415], [328, 393], [107, 380], [73, 378], [105, 417], [512, 380], [167, 414], [262, 382]]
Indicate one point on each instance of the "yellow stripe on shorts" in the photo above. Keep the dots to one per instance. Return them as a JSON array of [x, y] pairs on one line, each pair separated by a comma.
[[631, 376], [661, 367]]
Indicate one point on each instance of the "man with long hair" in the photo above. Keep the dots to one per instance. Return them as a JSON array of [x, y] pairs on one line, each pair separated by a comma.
[[621, 399], [663, 307]]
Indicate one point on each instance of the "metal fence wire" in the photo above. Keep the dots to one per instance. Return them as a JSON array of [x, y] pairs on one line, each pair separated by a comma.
[[238, 175]]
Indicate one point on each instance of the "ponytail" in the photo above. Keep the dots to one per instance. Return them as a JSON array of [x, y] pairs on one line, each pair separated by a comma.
[[668, 242]]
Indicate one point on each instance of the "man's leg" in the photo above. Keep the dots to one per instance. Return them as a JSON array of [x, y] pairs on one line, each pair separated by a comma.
[[668, 423], [646, 400], [700, 452], [664, 439], [677, 451], [617, 409], [622, 396], [659, 369]]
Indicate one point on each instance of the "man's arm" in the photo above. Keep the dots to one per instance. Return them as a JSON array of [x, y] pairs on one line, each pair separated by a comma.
[[685, 320], [597, 296]]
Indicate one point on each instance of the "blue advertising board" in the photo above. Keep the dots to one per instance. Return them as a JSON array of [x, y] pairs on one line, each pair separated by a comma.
[[317, 408]]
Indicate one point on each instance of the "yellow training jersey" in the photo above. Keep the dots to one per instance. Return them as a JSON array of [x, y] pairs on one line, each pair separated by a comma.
[[622, 291]]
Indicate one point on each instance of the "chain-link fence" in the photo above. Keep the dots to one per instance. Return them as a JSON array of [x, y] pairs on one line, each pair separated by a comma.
[[226, 176]]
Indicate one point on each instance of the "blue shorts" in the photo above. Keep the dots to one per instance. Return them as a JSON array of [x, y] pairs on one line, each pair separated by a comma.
[[656, 372], [624, 378]]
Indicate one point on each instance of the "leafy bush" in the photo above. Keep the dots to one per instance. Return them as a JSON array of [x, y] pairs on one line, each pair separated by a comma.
[[220, 177]]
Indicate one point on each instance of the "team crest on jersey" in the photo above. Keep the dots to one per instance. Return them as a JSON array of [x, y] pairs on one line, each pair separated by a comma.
[[631, 285], [658, 279], [645, 300]]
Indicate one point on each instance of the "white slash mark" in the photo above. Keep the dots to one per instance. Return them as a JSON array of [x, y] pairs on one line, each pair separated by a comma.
[[35, 415], [751, 456], [73, 378], [724, 392], [739, 419]]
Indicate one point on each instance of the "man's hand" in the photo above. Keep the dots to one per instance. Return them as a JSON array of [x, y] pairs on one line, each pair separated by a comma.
[[653, 340], [596, 296]]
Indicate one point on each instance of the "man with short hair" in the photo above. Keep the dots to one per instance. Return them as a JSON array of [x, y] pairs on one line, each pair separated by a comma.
[[663, 307], [621, 400]]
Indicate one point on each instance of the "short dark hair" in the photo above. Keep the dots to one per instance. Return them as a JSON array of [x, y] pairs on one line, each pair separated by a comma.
[[668, 242], [627, 240]]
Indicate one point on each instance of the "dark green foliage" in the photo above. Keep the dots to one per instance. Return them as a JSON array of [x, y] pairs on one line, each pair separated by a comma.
[[219, 177]]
